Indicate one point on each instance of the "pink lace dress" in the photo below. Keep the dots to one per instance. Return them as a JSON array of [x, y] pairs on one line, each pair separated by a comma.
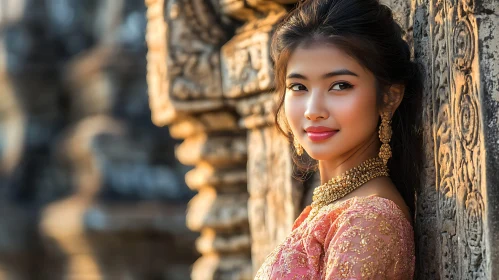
[[359, 238]]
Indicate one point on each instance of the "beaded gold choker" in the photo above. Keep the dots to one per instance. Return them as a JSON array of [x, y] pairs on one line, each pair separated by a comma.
[[347, 182]]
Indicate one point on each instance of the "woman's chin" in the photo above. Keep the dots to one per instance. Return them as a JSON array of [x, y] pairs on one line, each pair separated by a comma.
[[320, 154]]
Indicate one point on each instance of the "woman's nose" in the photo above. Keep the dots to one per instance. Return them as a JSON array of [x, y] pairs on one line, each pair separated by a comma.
[[316, 107]]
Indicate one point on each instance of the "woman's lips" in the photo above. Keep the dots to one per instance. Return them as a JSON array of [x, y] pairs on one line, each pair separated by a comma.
[[320, 136]]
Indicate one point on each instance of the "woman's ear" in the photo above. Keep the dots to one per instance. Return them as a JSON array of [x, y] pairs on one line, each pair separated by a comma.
[[393, 98]]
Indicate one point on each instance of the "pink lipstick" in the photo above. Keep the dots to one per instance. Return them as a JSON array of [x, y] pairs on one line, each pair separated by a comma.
[[320, 133]]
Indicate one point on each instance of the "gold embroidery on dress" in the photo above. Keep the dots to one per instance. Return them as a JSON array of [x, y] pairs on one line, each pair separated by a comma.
[[361, 238]]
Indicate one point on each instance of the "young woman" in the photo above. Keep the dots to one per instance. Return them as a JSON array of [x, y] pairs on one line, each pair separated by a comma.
[[345, 79]]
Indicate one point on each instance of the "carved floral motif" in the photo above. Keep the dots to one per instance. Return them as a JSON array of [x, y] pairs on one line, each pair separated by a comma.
[[463, 45], [468, 125], [457, 139]]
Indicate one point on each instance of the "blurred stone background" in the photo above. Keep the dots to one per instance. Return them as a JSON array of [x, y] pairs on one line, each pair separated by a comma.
[[89, 186]]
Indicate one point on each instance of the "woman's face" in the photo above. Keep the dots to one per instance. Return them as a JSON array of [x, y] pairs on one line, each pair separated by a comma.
[[330, 101]]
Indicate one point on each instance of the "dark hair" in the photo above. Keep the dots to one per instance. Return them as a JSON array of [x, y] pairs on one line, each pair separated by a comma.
[[367, 31]]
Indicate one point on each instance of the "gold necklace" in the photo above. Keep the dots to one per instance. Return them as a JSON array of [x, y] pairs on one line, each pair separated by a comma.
[[347, 182]]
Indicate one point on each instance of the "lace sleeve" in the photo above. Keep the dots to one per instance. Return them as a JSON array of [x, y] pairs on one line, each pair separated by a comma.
[[370, 245]]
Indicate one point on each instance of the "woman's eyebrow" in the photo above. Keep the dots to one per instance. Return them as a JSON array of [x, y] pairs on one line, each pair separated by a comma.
[[325, 76]]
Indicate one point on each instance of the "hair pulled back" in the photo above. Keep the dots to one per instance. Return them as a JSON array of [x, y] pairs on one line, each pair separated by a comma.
[[366, 31]]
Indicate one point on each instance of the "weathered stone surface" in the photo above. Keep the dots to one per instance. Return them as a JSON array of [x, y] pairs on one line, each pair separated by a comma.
[[274, 195], [487, 20], [162, 108], [224, 180], [238, 9], [218, 211], [211, 242], [426, 237], [246, 64], [256, 111], [229, 267], [184, 71], [455, 112], [189, 126], [217, 150]]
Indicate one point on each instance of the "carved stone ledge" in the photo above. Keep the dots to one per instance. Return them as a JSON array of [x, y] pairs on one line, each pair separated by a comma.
[[203, 123], [225, 180], [218, 211], [212, 242], [219, 151]]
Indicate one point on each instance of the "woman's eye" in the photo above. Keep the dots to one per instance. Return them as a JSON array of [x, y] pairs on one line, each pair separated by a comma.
[[297, 87], [341, 86]]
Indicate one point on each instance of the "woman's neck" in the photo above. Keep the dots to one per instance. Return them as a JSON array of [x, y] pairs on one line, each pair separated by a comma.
[[337, 166]]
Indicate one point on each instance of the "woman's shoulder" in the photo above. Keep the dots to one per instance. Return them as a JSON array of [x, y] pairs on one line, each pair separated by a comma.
[[369, 209], [366, 210], [370, 214], [370, 232]]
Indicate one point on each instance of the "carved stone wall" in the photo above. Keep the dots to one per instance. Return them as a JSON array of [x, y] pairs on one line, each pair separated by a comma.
[[456, 201], [456, 45]]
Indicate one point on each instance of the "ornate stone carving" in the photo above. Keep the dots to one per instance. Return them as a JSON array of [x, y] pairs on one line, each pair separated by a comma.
[[458, 134], [443, 141], [246, 64], [467, 118], [473, 220], [186, 93], [463, 45], [184, 71]]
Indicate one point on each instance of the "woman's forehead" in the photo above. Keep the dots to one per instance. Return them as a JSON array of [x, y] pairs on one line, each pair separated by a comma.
[[319, 59]]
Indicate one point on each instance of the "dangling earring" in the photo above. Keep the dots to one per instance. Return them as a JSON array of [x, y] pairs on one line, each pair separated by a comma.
[[298, 147], [385, 135]]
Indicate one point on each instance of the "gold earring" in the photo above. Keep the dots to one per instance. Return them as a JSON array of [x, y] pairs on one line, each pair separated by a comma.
[[298, 147], [385, 135]]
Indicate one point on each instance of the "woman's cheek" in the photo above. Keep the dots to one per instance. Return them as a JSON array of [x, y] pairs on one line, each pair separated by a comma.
[[291, 109]]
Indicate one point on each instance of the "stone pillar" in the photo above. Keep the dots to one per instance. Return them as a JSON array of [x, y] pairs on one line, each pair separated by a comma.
[[185, 88], [248, 79]]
